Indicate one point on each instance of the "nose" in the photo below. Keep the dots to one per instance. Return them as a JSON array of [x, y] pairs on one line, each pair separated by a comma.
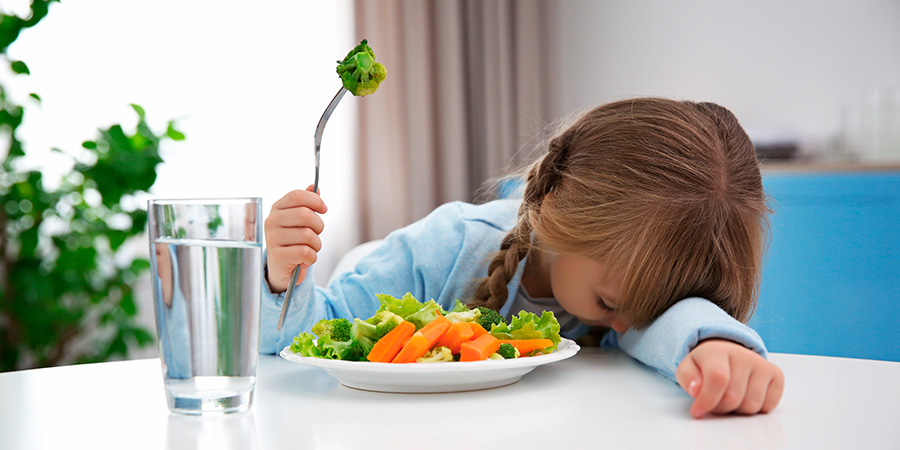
[[619, 324]]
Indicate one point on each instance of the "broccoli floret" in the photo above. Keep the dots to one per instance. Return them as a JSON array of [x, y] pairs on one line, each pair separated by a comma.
[[329, 339], [359, 72], [337, 330], [437, 354], [363, 335], [384, 322], [489, 317], [507, 351], [469, 315]]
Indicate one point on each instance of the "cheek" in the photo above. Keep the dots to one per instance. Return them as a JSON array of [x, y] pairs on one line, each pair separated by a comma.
[[573, 283], [577, 301], [560, 286]]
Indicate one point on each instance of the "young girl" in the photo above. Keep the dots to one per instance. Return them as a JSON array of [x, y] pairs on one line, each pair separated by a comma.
[[646, 216]]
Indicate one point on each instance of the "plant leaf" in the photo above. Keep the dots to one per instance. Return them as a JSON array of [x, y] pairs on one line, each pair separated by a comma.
[[174, 134], [20, 68], [140, 111]]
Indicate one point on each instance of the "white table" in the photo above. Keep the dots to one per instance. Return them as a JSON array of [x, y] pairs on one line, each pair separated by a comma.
[[598, 399]]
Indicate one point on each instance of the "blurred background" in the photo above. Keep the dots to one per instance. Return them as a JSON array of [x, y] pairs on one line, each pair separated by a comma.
[[229, 94]]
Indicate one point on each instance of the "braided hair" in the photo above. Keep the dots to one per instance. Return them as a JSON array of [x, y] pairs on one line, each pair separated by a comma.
[[540, 181]]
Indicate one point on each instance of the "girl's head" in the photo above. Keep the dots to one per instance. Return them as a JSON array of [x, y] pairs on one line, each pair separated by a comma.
[[664, 197]]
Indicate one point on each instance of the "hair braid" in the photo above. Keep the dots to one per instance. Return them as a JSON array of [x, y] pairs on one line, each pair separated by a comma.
[[544, 175]]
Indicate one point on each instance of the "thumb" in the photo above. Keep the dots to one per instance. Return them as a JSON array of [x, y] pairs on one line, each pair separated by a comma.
[[689, 376], [312, 188]]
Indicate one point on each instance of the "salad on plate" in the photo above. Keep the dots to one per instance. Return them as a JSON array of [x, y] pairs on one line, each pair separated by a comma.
[[405, 330]]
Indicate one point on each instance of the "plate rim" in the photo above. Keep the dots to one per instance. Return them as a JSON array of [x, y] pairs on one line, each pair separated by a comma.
[[566, 348]]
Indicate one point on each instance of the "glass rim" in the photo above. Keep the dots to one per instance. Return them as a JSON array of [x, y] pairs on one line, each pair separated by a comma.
[[204, 201]]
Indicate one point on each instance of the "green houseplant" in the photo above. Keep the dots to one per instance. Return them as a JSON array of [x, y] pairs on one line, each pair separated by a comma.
[[66, 285]]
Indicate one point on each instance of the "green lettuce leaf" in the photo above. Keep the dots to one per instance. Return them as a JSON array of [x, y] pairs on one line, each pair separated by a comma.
[[308, 344], [529, 325], [399, 306], [305, 345], [410, 309], [458, 307], [428, 312]]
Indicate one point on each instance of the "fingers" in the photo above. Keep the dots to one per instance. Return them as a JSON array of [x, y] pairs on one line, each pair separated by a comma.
[[724, 377], [764, 389], [281, 261], [298, 217], [296, 254], [757, 389], [292, 236], [281, 265], [301, 198], [286, 237], [773, 391], [689, 377], [716, 375]]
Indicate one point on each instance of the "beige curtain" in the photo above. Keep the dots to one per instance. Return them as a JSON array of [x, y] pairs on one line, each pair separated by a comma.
[[466, 89]]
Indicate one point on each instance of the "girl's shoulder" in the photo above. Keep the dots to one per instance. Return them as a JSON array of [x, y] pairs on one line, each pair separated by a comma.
[[499, 214], [457, 227]]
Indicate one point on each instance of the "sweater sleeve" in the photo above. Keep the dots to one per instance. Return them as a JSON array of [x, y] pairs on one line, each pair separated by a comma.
[[421, 259], [669, 339]]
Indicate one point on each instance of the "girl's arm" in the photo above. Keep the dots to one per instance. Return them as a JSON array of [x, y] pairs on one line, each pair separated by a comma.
[[718, 360], [669, 338], [434, 258]]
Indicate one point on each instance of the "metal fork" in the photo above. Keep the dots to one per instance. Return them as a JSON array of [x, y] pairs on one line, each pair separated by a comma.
[[320, 128]]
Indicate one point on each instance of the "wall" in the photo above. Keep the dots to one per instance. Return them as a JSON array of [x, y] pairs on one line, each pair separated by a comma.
[[790, 68]]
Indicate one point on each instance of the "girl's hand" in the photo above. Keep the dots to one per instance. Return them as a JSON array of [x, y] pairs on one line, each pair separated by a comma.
[[292, 236], [725, 377]]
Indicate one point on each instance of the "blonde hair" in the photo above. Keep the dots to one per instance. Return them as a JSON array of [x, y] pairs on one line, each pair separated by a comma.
[[667, 193]]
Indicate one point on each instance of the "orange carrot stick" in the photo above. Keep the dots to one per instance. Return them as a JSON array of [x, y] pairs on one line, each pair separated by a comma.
[[435, 329], [451, 338], [477, 330], [479, 348], [413, 350], [422, 341], [460, 332], [390, 344], [455, 335]]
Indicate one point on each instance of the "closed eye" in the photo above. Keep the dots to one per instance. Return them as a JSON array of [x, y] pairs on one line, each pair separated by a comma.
[[602, 304]]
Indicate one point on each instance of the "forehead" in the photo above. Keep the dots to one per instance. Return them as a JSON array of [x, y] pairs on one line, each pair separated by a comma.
[[588, 269]]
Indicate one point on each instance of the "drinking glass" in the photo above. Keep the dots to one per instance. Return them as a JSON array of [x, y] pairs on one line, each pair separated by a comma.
[[206, 263]]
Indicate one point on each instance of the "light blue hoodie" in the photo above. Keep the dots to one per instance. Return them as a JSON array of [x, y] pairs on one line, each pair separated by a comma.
[[441, 256]]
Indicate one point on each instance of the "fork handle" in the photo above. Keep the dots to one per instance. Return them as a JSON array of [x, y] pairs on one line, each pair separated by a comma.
[[320, 129], [287, 297]]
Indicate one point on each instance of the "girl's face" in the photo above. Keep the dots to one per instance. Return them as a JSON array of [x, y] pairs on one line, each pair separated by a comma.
[[587, 290]]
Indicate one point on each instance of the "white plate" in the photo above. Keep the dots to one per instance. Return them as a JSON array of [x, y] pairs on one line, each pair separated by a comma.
[[432, 377]]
